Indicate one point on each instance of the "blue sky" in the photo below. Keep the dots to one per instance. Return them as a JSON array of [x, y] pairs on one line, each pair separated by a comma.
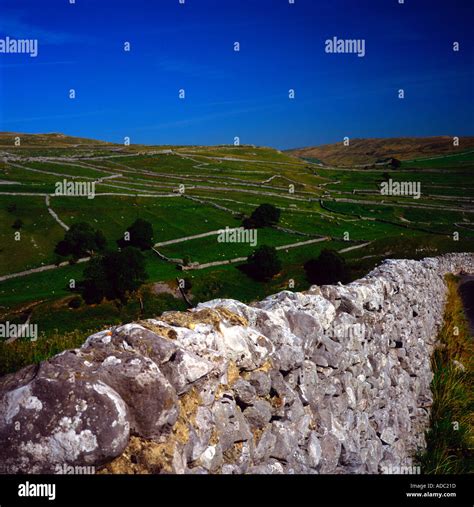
[[244, 93]]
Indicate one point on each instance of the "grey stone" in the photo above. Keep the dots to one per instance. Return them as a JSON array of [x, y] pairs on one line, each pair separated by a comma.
[[259, 414], [244, 391], [261, 382], [231, 426], [314, 450], [330, 453]]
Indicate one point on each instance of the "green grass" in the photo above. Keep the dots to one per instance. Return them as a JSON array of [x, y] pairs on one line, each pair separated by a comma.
[[456, 160], [172, 217], [450, 437], [61, 327], [47, 285], [35, 244], [208, 249], [23, 352]]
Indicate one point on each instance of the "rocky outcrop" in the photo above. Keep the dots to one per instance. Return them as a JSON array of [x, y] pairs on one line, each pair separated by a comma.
[[332, 380]]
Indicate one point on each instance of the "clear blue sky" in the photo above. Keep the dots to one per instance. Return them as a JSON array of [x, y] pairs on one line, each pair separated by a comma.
[[241, 94]]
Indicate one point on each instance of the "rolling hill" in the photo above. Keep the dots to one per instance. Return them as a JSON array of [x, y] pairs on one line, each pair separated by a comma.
[[368, 151]]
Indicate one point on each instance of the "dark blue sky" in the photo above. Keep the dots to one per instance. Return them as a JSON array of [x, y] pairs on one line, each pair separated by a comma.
[[241, 94]]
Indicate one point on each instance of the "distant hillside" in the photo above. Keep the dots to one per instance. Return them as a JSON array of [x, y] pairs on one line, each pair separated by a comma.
[[368, 151], [48, 140]]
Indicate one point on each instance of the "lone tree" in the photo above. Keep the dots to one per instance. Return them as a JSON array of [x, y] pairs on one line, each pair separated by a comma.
[[395, 163], [139, 235], [114, 276], [81, 240], [329, 268], [265, 215], [263, 263]]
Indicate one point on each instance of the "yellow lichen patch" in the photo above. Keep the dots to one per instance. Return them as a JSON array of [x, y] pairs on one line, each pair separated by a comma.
[[129, 461], [257, 433], [211, 316], [163, 331], [143, 457], [231, 317], [214, 440], [233, 373], [233, 453], [150, 457], [158, 457], [266, 366], [188, 405], [221, 389]]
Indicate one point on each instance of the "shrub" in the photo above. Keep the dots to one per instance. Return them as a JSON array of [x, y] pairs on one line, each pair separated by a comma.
[[329, 268], [81, 240], [263, 263], [114, 276], [264, 216], [141, 235]]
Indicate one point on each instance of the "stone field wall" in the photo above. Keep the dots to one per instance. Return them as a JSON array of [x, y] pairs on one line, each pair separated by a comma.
[[332, 380]]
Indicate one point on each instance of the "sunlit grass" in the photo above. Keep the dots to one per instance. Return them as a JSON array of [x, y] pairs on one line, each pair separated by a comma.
[[450, 437]]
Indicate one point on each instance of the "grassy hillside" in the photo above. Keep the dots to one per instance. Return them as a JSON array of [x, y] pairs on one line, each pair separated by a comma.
[[368, 151]]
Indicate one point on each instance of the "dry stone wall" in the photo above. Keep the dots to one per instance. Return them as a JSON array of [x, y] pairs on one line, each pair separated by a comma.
[[332, 380]]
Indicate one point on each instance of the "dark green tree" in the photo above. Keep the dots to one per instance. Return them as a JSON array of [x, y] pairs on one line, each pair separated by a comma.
[[265, 215], [81, 240], [114, 276], [141, 235], [263, 263], [329, 268], [395, 163], [95, 284]]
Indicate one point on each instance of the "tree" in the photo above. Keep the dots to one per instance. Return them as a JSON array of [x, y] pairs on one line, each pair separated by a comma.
[[264, 216], [100, 240], [395, 163], [329, 268], [94, 286], [140, 235], [81, 240], [17, 224], [263, 263], [114, 276]]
